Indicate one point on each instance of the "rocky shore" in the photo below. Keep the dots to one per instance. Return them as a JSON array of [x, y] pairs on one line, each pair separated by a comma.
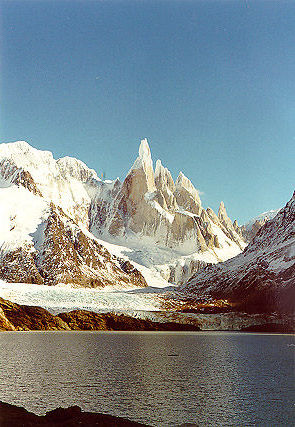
[[15, 317], [11, 415]]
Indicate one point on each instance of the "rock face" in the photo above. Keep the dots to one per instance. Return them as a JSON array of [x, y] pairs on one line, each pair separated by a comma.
[[262, 278], [150, 205], [53, 211]]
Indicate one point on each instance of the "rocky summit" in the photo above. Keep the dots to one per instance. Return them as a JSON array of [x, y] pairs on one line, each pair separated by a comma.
[[60, 222], [149, 204]]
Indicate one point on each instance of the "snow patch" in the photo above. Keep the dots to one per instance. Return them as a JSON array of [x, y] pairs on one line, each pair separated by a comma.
[[20, 214]]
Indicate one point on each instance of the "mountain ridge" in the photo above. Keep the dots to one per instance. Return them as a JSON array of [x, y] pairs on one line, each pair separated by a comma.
[[262, 277], [145, 210]]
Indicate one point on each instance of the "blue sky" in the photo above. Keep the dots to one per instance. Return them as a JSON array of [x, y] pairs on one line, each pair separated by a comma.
[[211, 84]]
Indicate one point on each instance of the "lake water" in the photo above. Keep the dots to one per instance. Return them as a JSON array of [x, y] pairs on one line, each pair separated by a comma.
[[161, 379]]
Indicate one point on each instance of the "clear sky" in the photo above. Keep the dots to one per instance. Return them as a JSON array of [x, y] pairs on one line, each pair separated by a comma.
[[211, 84]]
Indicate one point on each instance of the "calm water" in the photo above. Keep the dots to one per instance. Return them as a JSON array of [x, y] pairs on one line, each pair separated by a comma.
[[162, 379]]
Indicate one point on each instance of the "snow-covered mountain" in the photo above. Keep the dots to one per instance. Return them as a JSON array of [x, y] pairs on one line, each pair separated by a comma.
[[40, 244], [58, 219], [162, 221], [262, 278], [251, 228], [44, 219]]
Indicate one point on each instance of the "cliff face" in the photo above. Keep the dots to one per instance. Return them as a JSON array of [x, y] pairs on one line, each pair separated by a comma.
[[262, 278], [149, 204]]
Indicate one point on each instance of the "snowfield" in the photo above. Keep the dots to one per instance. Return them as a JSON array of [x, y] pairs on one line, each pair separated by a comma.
[[61, 298]]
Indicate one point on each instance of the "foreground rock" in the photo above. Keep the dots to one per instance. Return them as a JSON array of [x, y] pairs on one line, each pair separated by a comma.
[[15, 416], [15, 317]]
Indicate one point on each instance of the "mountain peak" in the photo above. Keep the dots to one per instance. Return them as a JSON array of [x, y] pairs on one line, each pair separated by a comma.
[[222, 214], [160, 170], [76, 169], [144, 149], [183, 182], [144, 156], [18, 147], [144, 162], [19, 144], [158, 167], [222, 209], [22, 155]]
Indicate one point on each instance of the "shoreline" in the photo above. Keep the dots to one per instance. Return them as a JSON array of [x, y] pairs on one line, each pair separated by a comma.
[[186, 332], [16, 317]]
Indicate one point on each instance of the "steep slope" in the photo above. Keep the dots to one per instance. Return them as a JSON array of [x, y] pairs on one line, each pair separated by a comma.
[[40, 244], [262, 278]]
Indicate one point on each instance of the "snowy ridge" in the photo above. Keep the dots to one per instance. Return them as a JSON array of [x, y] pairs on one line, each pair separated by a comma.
[[263, 216], [70, 166], [66, 182], [39, 163]]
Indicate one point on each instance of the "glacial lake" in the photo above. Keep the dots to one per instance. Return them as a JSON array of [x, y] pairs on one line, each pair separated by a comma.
[[161, 379]]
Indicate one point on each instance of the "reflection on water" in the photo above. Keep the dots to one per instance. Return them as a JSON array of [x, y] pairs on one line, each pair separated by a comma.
[[162, 379]]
